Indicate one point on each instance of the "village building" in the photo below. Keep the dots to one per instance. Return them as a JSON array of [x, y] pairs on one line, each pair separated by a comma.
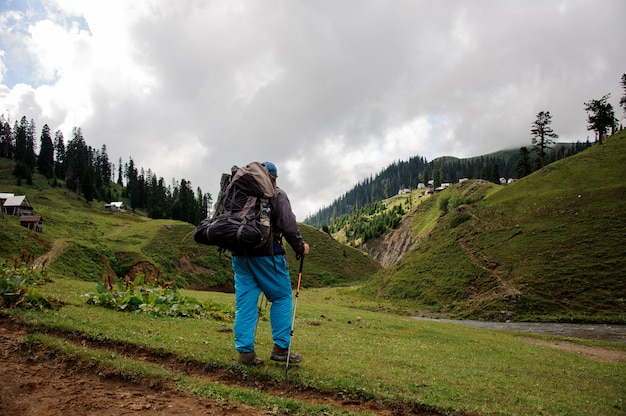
[[32, 222], [17, 205], [4, 196], [114, 206]]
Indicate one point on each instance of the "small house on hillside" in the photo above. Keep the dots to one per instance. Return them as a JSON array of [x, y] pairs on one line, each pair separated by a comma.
[[4, 196], [114, 206], [17, 205], [32, 222]]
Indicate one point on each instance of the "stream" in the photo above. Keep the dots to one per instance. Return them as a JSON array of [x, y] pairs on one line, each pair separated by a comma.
[[604, 332]]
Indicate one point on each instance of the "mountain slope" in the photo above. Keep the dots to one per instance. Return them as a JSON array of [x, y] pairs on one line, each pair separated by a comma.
[[83, 241], [550, 246]]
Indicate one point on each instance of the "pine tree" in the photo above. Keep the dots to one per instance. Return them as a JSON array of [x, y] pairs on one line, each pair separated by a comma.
[[542, 135], [6, 139], [45, 161], [120, 173], [77, 163], [59, 151], [30, 156], [495, 173], [23, 168], [600, 116], [523, 168]]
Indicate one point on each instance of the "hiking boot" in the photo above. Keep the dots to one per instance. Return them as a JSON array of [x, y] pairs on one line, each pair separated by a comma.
[[280, 354], [249, 358]]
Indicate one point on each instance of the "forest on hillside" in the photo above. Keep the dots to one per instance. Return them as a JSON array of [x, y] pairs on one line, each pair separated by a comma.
[[417, 170], [88, 172], [498, 167]]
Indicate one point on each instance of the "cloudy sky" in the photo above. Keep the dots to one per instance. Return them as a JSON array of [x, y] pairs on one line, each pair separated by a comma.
[[330, 91]]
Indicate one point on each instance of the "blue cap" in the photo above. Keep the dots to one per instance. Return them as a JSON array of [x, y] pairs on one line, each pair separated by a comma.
[[271, 168]]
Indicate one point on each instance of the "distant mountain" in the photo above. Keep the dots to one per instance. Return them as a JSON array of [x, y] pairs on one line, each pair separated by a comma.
[[447, 169], [550, 246]]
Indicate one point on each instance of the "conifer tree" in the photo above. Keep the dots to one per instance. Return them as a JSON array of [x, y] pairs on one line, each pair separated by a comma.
[[600, 116], [542, 135], [120, 173], [24, 163], [45, 160], [132, 183], [6, 138], [59, 151], [523, 167], [77, 162], [30, 156]]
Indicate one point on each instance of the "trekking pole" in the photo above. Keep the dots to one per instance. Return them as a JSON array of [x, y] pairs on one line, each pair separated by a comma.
[[293, 318], [258, 318]]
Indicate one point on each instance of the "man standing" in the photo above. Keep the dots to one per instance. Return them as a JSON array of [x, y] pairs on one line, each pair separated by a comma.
[[265, 270]]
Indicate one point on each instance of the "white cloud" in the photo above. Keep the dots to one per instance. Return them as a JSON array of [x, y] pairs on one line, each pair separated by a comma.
[[3, 67], [332, 92]]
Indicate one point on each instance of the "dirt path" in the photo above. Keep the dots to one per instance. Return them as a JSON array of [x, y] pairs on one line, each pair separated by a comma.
[[57, 248], [35, 383], [39, 383], [484, 263], [44, 384]]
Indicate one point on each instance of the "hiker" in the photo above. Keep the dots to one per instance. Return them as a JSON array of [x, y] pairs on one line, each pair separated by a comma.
[[265, 270]]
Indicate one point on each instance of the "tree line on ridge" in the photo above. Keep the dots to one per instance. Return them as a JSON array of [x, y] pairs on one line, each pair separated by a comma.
[[505, 164], [89, 173]]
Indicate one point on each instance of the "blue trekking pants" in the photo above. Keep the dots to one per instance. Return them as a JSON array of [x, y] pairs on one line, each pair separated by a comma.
[[254, 275]]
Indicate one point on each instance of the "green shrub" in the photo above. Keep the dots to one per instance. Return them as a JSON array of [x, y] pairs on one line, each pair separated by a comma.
[[157, 300], [18, 286]]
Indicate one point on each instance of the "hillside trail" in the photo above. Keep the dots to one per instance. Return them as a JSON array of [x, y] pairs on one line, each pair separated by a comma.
[[483, 263], [57, 248]]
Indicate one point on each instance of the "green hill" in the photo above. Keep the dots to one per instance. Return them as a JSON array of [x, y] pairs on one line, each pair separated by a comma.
[[83, 241], [548, 247]]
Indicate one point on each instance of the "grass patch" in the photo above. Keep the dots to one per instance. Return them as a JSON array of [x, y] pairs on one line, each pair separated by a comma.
[[352, 350], [116, 365]]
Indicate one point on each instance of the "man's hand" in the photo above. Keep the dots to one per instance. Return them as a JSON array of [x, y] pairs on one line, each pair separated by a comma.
[[306, 249]]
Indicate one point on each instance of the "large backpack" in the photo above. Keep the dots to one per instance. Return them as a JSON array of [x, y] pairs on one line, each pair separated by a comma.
[[242, 218]]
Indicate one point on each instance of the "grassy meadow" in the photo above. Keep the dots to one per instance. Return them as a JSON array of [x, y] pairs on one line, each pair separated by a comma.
[[350, 351], [549, 247]]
